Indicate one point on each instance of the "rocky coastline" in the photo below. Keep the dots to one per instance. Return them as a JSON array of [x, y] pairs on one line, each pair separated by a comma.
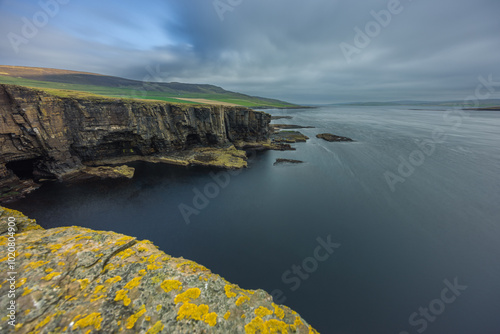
[[49, 137]]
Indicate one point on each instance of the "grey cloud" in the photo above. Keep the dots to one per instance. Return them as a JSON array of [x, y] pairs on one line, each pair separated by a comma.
[[289, 49]]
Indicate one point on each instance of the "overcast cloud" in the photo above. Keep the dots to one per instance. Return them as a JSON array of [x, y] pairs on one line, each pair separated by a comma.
[[287, 49]]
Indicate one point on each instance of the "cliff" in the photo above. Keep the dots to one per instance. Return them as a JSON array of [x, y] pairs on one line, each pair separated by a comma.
[[77, 280], [53, 136]]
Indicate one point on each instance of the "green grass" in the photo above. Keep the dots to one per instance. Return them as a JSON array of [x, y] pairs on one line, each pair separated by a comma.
[[148, 91]]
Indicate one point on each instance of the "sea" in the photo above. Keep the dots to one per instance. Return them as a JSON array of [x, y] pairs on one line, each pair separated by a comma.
[[396, 232]]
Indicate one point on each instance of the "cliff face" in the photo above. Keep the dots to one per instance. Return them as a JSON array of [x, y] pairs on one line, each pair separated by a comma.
[[78, 280], [44, 136]]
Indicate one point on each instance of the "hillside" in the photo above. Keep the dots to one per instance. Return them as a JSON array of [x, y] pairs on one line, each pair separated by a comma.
[[72, 81]]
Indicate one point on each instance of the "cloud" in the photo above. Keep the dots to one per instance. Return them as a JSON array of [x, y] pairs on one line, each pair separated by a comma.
[[288, 49]]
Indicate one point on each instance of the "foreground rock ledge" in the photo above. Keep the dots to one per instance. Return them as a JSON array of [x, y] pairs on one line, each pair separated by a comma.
[[73, 279]]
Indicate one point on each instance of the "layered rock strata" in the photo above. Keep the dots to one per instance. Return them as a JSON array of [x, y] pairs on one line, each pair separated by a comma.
[[44, 136]]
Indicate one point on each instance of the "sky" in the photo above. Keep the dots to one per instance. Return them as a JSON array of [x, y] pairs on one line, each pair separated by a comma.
[[314, 51]]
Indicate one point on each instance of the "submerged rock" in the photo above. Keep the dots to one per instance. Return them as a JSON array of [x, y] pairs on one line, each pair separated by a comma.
[[77, 280], [332, 138], [289, 161]]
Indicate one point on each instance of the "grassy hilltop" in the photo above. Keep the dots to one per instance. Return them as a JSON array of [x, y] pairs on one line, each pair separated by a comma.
[[72, 83]]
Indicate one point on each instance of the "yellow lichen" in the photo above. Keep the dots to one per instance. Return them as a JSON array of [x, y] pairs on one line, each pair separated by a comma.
[[277, 326], [171, 284], [142, 272], [34, 265], [26, 291], [154, 267], [60, 263], [48, 270], [44, 322], [83, 283], [21, 282], [241, 300], [280, 313], [298, 322], [262, 311], [98, 293], [93, 319], [197, 312], [157, 328], [227, 315], [122, 295], [134, 317], [123, 241], [28, 255], [228, 289], [191, 267], [148, 318], [210, 319], [152, 258], [51, 276], [187, 295], [258, 325], [158, 308], [54, 248], [109, 266], [142, 248], [113, 280], [133, 283], [126, 253]]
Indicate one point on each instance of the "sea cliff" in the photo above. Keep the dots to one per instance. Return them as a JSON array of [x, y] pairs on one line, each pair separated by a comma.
[[54, 136], [77, 280]]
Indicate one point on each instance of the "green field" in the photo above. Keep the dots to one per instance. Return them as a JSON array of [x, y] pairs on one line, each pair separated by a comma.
[[146, 90]]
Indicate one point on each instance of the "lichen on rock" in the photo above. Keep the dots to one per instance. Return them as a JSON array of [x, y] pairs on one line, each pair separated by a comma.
[[74, 279]]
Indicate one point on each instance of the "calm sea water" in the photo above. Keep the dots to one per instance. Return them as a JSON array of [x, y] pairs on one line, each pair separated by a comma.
[[422, 256]]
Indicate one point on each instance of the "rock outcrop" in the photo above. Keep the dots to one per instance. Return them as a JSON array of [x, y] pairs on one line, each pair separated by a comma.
[[77, 280], [332, 138], [280, 161], [289, 137], [44, 136]]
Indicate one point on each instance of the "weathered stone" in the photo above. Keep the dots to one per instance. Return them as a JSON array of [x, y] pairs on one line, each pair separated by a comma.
[[77, 280]]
